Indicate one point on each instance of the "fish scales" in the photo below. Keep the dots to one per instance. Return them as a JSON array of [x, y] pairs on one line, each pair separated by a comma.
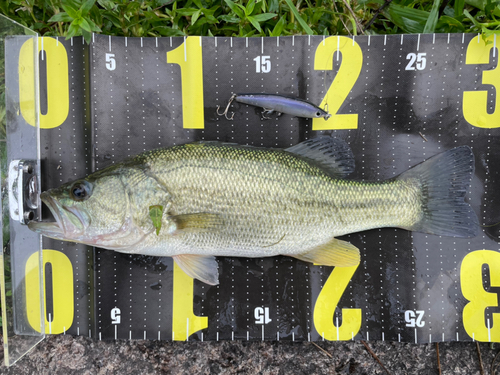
[[270, 198]]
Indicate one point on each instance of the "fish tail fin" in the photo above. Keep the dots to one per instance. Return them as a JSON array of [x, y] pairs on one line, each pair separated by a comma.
[[444, 180]]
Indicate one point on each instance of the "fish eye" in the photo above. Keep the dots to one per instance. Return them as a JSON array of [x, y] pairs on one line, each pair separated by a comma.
[[81, 190]]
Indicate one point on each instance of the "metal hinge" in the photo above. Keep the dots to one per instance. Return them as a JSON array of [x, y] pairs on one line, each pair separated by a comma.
[[23, 191]]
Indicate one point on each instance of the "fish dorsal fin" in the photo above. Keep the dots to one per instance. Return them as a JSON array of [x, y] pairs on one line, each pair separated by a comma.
[[332, 154]]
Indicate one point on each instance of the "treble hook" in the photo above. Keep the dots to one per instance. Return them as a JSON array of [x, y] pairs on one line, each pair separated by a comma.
[[328, 115], [227, 108]]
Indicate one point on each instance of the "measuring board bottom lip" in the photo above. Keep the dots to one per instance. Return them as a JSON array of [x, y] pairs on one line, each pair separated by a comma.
[[418, 337]]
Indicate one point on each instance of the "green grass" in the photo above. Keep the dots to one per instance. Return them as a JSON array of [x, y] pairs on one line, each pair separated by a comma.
[[251, 17]]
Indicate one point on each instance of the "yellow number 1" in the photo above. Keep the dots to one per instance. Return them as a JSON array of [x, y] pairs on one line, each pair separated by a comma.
[[189, 57], [184, 322]]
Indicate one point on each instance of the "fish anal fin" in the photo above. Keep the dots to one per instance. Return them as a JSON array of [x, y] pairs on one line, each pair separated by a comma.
[[333, 253], [201, 267]]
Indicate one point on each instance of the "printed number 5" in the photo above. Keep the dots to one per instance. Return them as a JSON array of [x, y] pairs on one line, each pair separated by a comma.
[[110, 61], [417, 61]]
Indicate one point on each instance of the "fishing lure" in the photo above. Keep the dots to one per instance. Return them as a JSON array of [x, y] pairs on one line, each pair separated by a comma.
[[272, 103]]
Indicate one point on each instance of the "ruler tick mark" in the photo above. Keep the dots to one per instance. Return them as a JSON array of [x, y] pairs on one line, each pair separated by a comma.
[[185, 51]]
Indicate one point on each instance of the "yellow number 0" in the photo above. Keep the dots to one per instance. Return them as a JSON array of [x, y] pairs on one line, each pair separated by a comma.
[[471, 279], [57, 83], [328, 300], [62, 292], [476, 102], [352, 60]]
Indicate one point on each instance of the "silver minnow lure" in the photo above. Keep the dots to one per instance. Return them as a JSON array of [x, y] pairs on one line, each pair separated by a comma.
[[277, 103]]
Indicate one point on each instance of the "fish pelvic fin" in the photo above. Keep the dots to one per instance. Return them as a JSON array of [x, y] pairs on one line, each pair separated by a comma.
[[201, 267], [333, 253], [331, 154], [444, 180]]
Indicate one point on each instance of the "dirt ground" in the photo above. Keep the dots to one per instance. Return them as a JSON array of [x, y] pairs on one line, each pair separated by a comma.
[[64, 354]]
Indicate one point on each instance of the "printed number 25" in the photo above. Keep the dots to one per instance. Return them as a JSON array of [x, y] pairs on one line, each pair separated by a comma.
[[417, 61]]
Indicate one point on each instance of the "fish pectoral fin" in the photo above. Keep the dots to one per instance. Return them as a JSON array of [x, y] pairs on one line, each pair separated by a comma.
[[199, 222], [201, 267], [333, 253]]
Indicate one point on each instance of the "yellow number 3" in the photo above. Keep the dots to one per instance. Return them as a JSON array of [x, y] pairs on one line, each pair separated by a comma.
[[471, 278], [475, 104]]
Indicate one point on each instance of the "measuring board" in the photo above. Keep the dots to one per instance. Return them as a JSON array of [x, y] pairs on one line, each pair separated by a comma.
[[396, 100]]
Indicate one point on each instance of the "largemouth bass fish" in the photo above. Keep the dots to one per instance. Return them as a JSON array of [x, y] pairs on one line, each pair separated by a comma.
[[222, 199]]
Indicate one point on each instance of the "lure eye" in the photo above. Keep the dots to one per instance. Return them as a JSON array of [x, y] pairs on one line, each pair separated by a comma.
[[318, 114], [81, 190]]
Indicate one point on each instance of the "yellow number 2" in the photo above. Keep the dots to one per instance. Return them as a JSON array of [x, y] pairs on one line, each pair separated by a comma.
[[352, 60], [471, 279], [327, 301]]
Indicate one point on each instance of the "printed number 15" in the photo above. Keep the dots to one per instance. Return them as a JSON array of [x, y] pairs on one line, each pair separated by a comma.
[[262, 64]]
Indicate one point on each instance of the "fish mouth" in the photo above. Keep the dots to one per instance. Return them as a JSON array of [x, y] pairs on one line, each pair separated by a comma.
[[69, 222]]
